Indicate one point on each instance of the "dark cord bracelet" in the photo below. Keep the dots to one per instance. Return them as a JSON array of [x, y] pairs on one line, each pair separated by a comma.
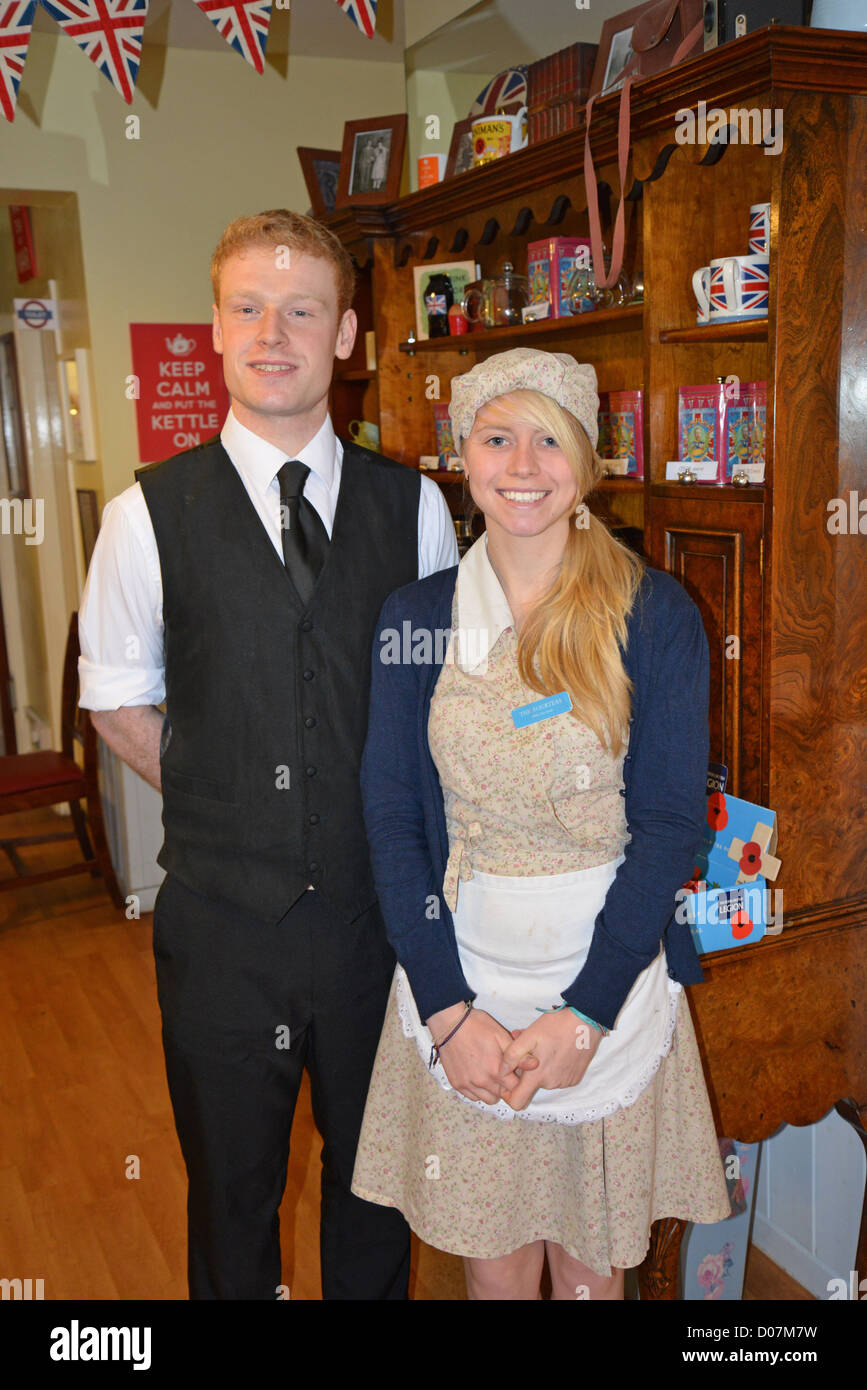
[[435, 1050]]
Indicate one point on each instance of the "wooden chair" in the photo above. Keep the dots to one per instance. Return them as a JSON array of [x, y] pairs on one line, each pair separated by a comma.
[[46, 778]]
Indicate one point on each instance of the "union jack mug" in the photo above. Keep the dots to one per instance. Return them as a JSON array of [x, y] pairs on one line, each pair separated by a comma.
[[760, 226], [738, 288]]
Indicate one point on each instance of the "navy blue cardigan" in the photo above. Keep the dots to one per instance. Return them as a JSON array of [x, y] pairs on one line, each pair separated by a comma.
[[664, 775]]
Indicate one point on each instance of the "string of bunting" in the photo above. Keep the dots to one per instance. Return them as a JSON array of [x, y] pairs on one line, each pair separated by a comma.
[[16, 23], [110, 33]]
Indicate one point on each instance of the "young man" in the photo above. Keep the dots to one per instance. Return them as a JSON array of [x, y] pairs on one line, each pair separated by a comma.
[[241, 582]]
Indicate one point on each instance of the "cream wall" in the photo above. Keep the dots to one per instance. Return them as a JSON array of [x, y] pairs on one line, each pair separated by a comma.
[[219, 142], [423, 17]]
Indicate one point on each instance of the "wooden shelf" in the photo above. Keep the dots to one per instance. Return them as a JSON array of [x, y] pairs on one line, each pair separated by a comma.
[[711, 492], [623, 320], [748, 331], [621, 484], [786, 57]]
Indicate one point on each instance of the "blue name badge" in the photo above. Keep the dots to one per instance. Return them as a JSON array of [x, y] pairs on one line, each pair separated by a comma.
[[541, 709]]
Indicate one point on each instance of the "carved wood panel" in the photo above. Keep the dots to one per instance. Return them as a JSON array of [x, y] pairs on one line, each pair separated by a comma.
[[713, 550]]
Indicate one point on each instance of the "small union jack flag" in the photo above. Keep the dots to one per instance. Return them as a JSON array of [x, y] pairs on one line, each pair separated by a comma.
[[16, 23], [109, 32], [244, 24], [362, 13]]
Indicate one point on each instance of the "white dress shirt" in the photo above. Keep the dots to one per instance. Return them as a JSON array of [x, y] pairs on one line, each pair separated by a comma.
[[120, 620]]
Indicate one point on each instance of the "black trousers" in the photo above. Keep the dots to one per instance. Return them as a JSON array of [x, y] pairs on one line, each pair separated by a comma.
[[245, 1007]]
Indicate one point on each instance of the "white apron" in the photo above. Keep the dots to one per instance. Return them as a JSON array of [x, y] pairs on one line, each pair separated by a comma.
[[521, 940]]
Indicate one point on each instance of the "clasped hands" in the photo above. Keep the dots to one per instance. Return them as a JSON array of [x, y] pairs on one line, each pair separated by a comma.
[[484, 1061]]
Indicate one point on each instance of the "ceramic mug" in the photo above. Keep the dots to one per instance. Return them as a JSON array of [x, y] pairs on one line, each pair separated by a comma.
[[738, 288], [494, 136], [760, 229], [366, 436], [701, 290]]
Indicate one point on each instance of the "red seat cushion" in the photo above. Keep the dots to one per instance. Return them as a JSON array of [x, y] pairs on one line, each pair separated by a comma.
[[25, 772]]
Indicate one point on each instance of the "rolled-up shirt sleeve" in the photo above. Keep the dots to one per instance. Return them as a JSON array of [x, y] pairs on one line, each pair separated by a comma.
[[120, 620], [437, 542]]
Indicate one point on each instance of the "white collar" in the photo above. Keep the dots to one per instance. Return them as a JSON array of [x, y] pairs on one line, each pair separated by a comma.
[[260, 460], [483, 610]]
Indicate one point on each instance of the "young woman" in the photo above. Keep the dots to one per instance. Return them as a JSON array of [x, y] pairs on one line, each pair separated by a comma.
[[534, 792]]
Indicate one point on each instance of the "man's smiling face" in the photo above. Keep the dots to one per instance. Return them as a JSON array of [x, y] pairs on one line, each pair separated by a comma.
[[278, 330]]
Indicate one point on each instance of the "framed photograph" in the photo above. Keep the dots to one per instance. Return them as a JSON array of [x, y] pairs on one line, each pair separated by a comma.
[[16, 482], [371, 160], [615, 51], [88, 516], [321, 170], [461, 149], [461, 274]]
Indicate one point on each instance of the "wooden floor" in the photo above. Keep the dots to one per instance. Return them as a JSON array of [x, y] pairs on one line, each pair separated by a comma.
[[84, 1094]]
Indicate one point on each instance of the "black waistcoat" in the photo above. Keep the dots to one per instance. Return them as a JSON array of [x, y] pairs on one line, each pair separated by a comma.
[[266, 699]]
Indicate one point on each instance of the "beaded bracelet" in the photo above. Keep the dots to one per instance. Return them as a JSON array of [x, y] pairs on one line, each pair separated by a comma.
[[435, 1050]]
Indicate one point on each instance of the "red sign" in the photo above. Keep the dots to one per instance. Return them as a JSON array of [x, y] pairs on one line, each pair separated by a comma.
[[22, 240], [182, 397]]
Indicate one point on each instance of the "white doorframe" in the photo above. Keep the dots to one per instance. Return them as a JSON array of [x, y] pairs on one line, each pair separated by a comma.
[[56, 557]]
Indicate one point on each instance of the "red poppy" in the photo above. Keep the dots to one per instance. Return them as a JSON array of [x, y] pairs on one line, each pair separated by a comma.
[[717, 815], [741, 925], [751, 858]]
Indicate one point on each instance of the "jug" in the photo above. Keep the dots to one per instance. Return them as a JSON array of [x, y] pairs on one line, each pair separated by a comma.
[[498, 301]]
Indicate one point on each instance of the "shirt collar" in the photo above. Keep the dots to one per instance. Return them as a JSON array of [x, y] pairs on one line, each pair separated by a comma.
[[260, 460], [482, 609]]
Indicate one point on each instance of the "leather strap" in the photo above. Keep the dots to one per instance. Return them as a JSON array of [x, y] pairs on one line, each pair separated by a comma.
[[605, 281]]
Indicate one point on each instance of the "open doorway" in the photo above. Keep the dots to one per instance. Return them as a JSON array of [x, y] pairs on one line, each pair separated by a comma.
[[50, 475]]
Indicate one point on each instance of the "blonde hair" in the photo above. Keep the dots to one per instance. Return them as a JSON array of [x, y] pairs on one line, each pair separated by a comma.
[[280, 227], [572, 639]]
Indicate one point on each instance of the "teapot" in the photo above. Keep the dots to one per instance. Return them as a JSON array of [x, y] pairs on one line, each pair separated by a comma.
[[498, 301]]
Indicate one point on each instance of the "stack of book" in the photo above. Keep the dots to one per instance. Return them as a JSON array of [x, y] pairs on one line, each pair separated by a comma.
[[557, 89]]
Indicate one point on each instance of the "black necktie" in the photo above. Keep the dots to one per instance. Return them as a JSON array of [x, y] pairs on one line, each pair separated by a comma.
[[305, 539]]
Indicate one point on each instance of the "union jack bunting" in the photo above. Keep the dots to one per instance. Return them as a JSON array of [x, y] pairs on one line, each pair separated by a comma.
[[16, 23], [362, 13], [244, 24], [109, 32]]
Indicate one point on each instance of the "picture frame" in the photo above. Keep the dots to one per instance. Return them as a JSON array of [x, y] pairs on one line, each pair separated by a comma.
[[460, 156], [371, 161], [321, 170], [615, 51], [462, 273], [88, 518], [16, 483]]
